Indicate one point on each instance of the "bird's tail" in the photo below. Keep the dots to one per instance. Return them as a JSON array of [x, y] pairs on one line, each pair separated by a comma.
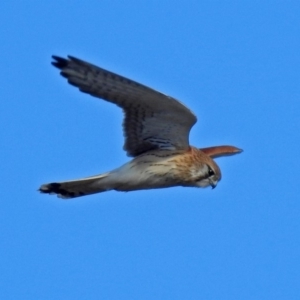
[[77, 188]]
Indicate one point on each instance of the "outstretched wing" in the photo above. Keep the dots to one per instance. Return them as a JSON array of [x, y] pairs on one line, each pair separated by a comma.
[[152, 119]]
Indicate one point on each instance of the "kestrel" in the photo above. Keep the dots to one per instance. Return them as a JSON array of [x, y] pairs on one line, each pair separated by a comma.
[[156, 130]]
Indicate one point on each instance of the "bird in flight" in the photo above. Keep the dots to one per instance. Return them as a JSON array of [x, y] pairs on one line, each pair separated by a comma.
[[156, 129]]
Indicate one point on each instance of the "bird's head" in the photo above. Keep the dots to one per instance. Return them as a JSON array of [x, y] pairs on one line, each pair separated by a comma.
[[208, 174]]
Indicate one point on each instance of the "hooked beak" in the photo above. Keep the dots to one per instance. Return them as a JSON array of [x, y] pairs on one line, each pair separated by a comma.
[[212, 183]]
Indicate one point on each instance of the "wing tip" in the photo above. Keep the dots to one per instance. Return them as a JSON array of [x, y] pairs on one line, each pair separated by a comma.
[[59, 62], [64, 63], [219, 151]]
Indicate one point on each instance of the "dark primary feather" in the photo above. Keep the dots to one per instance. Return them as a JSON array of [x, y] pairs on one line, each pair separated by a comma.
[[152, 119]]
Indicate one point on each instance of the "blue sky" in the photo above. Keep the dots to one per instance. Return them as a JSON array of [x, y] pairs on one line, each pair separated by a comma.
[[235, 64]]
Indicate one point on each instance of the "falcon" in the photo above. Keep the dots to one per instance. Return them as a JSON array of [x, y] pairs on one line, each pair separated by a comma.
[[156, 129]]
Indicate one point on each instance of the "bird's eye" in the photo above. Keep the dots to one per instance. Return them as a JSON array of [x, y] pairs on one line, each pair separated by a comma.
[[210, 172]]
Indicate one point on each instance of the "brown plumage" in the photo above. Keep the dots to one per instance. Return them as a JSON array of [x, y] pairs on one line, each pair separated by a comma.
[[156, 129]]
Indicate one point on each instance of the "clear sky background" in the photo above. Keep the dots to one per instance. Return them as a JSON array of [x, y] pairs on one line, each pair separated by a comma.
[[236, 65]]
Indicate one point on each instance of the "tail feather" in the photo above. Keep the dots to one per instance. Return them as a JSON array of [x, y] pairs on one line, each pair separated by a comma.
[[76, 188]]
